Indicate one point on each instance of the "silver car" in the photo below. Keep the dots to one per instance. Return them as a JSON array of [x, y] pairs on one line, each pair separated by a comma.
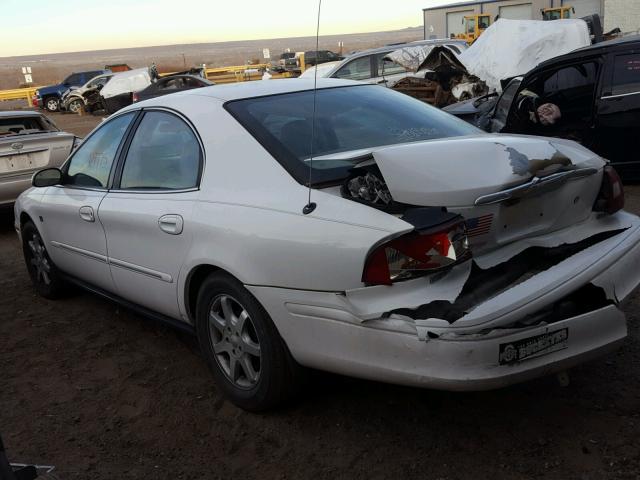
[[29, 141]]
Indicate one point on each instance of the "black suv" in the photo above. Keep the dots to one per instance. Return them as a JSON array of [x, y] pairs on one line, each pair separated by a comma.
[[597, 91], [321, 56]]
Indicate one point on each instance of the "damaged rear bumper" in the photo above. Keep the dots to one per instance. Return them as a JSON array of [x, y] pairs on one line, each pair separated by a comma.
[[355, 333]]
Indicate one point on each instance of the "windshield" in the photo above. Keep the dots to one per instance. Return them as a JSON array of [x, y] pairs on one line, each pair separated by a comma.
[[348, 119]]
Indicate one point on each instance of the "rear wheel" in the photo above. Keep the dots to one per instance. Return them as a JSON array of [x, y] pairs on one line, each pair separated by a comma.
[[52, 104], [43, 272], [248, 358]]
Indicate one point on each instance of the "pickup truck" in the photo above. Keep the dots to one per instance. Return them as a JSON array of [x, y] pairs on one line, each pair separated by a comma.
[[49, 97]]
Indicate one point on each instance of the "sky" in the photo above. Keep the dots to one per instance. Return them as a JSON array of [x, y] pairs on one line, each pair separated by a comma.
[[53, 26]]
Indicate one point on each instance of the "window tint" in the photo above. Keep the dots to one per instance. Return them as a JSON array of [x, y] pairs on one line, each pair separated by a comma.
[[164, 154], [581, 77], [626, 74], [388, 67], [358, 69], [347, 119], [91, 164], [73, 79]]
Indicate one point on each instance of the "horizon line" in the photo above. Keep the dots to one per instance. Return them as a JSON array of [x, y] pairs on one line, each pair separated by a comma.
[[208, 43]]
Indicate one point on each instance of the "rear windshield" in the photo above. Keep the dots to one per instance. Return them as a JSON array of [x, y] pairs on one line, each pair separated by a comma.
[[25, 125], [348, 120]]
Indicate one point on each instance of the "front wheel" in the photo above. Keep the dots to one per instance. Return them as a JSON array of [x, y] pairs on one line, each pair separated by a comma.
[[75, 106], [249, 360], [52, 104], [43, 272]]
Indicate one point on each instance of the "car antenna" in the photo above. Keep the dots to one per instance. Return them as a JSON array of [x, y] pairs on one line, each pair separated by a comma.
[[311, 206]]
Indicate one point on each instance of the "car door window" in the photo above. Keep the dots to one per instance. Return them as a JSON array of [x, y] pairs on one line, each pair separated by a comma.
[[626, 74], [164, 155], [91, 164], [388, 67], [358, 69]]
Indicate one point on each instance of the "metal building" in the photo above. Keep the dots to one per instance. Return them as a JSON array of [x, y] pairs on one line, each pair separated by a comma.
[[447, 20]]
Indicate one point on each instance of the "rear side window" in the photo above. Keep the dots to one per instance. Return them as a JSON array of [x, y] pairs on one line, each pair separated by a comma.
[[358, 69], [91, 164], [626, 74], [164, 155]]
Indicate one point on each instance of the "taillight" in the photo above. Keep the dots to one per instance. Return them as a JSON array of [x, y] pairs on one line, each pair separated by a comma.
[[611, 196], [135, 97], [417, 253]]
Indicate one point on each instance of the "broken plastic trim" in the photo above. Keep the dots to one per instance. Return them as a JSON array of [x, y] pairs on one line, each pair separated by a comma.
[[482, 285], [535, 185]]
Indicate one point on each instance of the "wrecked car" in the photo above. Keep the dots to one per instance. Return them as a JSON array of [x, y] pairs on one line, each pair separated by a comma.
[[374, 66], [118, 92], [29, 141], [364, 232], [594, 91], [74, 99]]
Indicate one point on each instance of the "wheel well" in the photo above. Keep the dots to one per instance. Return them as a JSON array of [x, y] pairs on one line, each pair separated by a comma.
[[192, 287], [24, 218]]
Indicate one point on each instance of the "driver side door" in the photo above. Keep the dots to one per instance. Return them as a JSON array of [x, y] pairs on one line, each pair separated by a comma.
[[69, 221]]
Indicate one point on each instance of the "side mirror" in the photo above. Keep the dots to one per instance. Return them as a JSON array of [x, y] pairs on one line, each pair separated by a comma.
[[47, 177]]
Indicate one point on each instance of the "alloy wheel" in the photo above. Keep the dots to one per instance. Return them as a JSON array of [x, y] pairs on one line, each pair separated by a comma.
[[75, 106], [39, 260], [234, 341]]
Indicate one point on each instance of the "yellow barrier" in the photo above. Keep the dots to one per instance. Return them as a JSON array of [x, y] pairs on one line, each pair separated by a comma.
[[238, 73], [19, 94]]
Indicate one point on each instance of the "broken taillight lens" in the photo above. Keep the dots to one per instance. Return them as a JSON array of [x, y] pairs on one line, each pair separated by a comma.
[[417, 253], [611, 196]]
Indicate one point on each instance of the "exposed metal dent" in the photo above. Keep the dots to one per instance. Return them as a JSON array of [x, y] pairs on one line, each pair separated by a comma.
[[594, 225]]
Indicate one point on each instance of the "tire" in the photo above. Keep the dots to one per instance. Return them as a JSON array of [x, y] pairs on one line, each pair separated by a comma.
[[43, 272], [75, 105], [251, 363], [51, 104]]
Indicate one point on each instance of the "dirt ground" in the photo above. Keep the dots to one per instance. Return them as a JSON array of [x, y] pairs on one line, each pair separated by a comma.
[[102, 393]]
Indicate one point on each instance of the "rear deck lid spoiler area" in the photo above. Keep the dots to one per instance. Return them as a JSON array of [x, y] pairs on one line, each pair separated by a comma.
[[535, 185], [455, 172]]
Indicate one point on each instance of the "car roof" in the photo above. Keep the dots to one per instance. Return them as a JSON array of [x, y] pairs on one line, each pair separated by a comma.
[[19, 113], [631, 41], [398, 46], [262, 88]]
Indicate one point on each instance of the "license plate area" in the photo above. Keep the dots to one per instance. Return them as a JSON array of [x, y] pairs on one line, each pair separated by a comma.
[[23, 161], [532, 347]]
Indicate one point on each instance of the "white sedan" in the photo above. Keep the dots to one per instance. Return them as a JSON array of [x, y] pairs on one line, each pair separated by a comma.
[[430, 254]]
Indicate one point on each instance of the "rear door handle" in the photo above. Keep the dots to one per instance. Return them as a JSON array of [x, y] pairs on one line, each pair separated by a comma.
[[171, 224], [86, 213]]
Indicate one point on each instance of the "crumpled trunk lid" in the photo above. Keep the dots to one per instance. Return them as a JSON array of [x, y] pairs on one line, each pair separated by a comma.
[[506, 187]]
